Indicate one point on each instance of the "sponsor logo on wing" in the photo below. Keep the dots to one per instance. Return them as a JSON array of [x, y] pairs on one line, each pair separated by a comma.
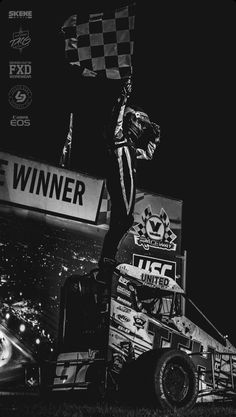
[[155, 280], [123, 290], [139, 322], [124, 329], [122, 318], [123, 280], [122, 300], [124, 309]]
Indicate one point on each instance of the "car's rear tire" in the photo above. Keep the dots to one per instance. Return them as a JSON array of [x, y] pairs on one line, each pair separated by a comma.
[[163, 378], [175, 381]]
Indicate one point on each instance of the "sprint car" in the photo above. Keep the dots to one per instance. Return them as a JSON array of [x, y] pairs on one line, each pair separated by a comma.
[[136, 345]]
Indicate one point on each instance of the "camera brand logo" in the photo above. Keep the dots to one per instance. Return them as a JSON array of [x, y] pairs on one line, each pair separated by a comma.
[[20, 14], [20, 69], [20, 40], [20, 97], [20, 121]]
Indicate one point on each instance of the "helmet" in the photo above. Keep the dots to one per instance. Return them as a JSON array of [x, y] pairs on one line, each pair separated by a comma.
[[136, 121]]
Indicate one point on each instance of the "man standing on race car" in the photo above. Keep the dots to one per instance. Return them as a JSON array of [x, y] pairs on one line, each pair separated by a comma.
[[131, 136]]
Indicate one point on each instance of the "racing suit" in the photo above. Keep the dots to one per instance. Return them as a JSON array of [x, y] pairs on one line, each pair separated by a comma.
[[125, 135]]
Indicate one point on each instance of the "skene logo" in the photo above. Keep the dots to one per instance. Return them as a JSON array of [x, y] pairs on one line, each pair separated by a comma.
[[20, 14], [154, 231]]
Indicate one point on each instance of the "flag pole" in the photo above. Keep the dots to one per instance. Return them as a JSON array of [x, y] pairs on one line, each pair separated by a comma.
[[65, 159]]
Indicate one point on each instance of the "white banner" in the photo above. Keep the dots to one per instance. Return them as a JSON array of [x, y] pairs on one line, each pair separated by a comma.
[[47, 188]]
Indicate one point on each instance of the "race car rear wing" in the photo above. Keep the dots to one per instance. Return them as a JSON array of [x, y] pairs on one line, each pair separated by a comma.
[[154, 280]]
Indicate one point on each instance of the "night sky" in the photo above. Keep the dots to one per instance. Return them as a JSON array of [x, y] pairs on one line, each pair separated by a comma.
[[184, 77]]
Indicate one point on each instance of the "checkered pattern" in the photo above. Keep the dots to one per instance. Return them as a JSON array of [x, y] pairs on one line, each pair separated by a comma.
[[164, 218], [102, 42], [169, 236], [146, 214], [105, 210], [140, 228]]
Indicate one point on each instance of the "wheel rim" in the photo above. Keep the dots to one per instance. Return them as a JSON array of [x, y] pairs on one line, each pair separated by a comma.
[[175, 382]]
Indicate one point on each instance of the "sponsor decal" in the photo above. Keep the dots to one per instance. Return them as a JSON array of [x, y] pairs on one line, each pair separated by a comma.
[[92, 353], [20, 40], [155, 265], [20, 14], [154, 231], [123, 290], [123, 318], [122, 300], [20, 69], [116, 336], [166, 337], [124, 309], [139, 322], [20, 97], [124, 269], [20, 121], [154, 280], [123, 329], [123, 280]]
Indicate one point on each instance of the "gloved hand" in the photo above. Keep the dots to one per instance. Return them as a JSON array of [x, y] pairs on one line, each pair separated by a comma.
[[126, 87], [153, 134], [148, 153]]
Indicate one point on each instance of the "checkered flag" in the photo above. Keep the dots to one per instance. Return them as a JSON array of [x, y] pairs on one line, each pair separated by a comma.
[[102, 42], [169, 236], [66, 151], [146, 214], [140, 229], [164, 218]]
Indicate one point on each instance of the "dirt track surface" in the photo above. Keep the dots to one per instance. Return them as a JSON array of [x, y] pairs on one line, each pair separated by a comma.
[[23, 406]]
